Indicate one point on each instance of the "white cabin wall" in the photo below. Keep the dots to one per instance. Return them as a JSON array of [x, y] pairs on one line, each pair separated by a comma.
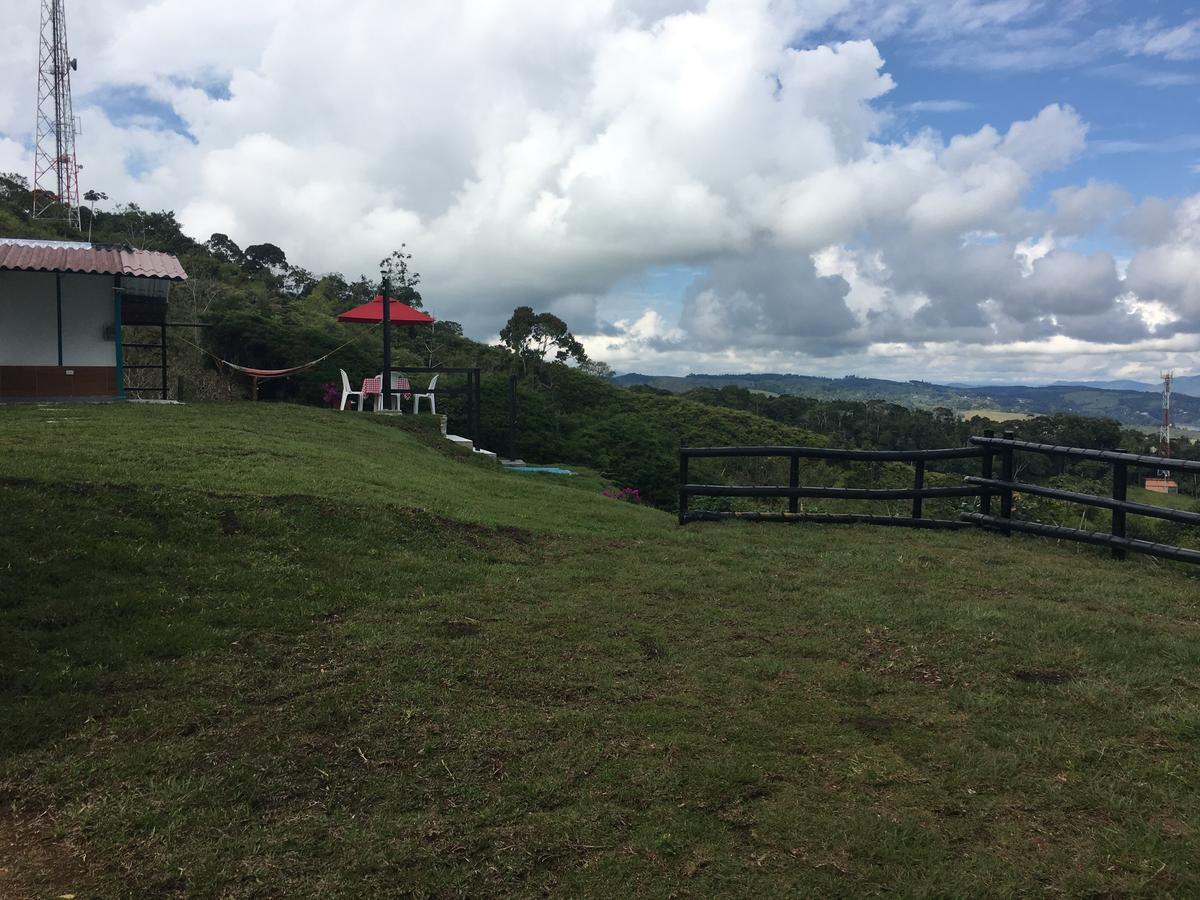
[[29, 320], [87, 302]]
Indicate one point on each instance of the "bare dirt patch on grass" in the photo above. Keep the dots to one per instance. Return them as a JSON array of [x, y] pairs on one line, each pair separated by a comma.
[[32, 863]]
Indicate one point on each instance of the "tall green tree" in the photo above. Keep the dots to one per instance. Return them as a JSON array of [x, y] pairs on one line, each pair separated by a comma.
[[402, 281], [532, 335]]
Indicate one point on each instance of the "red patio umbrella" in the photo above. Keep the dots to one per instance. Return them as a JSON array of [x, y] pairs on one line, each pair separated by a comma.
[[392, 313], [372, 311]]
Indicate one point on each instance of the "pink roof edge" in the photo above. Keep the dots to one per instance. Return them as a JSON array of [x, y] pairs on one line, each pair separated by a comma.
[[78, 257]]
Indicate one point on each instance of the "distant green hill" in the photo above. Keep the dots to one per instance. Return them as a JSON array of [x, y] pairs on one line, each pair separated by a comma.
[[1130, 407], [1186, 384]]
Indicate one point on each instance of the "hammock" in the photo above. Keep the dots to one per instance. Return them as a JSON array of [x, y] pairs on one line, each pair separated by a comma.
[[265, 374], [270, 373]]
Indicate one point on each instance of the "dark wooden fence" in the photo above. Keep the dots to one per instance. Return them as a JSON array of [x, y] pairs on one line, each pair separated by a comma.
[[1006, 485], [794, 491], [984, 486]]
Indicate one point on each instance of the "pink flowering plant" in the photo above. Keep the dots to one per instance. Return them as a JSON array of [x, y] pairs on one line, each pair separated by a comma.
[[331, 394], [628, 494]]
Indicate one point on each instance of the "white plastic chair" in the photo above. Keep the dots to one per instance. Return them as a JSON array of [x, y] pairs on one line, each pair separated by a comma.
[[400, 387], [347, 393], [428, 395], [375, 392]]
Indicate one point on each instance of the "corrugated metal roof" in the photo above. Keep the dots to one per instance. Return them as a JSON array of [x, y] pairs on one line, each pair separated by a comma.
[[31, 255]]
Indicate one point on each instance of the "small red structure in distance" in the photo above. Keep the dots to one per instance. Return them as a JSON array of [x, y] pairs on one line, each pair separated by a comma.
[[1162, 486]]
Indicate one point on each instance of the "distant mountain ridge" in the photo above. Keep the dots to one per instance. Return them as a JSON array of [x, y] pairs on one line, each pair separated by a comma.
[[1184, 384], [1130, 406]]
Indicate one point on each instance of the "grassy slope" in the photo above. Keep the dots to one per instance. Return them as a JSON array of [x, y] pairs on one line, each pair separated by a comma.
[[267, 651]]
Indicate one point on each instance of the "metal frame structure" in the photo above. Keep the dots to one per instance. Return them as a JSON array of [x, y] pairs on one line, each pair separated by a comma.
[[471, 391], [1164, 432], [54, 160]]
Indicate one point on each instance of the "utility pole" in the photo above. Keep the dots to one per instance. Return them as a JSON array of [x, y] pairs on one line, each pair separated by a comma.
[[387, 342], [55, 168]]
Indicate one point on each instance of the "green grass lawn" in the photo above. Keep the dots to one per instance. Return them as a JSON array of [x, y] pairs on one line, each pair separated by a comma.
[[268, 651], [996, 415]]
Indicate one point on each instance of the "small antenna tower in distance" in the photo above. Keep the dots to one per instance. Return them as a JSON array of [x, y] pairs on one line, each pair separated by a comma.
[[55, 170], [1164, 432]]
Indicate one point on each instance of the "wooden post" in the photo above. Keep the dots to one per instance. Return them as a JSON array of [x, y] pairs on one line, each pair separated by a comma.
[[918, 484], [387, 344], [162, 334], [794, 482], [58, 301], [512, 417], [1120, 482], [474, 382], [683, 481], [985, 501], [1007, 469], [118, 292]]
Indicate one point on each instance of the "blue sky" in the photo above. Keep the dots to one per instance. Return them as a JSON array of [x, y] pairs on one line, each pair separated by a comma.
[[1142, 110]]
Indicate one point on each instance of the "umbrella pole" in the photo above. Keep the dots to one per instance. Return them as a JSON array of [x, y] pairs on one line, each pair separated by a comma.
[[387, 346]]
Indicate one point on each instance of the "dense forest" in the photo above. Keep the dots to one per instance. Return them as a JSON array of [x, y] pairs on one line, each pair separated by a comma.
[[259, 309]]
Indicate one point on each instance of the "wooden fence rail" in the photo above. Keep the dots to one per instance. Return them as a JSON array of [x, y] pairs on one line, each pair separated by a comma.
[[984, 486], [1116, 539], [794, 491]]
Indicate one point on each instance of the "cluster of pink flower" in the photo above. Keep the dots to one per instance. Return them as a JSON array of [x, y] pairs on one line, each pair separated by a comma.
[[629, 495], [331, 394]]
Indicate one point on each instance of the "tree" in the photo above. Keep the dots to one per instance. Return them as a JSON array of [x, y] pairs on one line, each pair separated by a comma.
[[532, 335], [299, 282], [91, 197], [265, 258], [223, 247], [402, 282], [13, 185], [597, 368], [135, 227]]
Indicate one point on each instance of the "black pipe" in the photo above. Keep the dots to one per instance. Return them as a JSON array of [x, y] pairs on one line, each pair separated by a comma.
[[1181, 516], [780, 490], [512, 417], [822, 518], [1112, 456], [1165, 551], [836, 453], [387, 345]]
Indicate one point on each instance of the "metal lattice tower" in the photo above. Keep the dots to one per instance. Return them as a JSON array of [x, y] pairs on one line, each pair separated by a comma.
[[1164, 433], [55, 170]]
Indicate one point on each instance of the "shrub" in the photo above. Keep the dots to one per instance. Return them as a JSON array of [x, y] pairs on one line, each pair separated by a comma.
[[628, 494]]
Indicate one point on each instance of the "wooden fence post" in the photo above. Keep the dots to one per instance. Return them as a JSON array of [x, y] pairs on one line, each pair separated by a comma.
[[683, 481], [162, 333], [1006, 474], [918, 484], [512, 417], [794, 482], [985, 501], [1120, 480]]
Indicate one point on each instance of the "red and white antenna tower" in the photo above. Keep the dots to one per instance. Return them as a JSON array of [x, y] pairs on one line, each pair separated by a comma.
[[1164, 433], [55, 170]]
